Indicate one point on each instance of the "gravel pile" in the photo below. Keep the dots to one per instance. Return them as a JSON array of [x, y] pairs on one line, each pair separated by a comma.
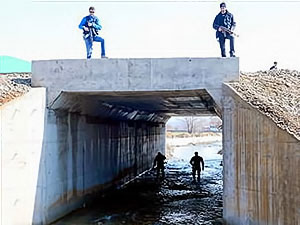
[[276, 94], [13, 85]]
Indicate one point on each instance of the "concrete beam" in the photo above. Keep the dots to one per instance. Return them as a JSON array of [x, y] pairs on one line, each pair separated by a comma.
[[117, 75], [150, 106]]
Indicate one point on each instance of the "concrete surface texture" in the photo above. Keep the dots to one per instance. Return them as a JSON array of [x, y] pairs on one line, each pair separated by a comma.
[[21, 140], [84, 155], [261, 167], [61, 160], [115, 75]]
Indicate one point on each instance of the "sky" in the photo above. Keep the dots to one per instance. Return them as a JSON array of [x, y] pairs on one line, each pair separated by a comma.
[[48, 29]]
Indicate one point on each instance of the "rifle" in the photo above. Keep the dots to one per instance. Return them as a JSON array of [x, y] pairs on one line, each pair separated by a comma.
[[225, 29], [91, 33]]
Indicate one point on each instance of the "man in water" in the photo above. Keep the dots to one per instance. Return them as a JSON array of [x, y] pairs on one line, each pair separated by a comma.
[[195, 162], [159, 163]]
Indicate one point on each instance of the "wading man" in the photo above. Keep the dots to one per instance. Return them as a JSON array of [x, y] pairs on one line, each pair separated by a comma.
[[195, 162], [224, 25], [159, 163], [90, 26]]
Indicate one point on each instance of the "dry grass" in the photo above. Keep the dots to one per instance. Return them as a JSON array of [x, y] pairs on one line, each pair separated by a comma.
[[187, 135]]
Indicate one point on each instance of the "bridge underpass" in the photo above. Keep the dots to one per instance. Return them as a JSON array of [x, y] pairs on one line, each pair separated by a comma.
[[103, 123], [137, 120], [96, 124], [106, 120]]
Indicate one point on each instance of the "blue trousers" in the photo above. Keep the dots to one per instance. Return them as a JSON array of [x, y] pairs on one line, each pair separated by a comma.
[[222, 44], [89, 46]]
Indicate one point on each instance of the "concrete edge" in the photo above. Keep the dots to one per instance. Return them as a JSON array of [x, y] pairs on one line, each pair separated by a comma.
[[142, 58]]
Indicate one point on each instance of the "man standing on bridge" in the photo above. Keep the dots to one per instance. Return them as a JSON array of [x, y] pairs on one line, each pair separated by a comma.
[[90, 26], [195, 162], [224, 25]]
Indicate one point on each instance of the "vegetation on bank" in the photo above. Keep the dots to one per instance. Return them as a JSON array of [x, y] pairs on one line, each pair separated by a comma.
[[191, 135]]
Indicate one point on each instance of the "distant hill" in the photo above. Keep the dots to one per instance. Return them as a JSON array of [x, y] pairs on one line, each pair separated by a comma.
[[10, 64]]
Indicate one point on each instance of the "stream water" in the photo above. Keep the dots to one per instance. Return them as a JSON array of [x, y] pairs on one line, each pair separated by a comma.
[[175, 199]]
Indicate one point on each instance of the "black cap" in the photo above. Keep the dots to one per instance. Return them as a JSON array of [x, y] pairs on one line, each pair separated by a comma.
[[223, 5]]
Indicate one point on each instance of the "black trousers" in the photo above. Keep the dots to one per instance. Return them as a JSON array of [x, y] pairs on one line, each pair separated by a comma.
[[160, 169], [198, 170], [222, 44]]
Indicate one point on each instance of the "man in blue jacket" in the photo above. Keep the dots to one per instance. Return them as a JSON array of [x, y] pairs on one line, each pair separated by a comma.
[[224, 24], [90, 26]]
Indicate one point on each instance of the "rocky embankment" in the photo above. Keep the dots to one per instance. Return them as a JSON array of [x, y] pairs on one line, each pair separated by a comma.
[[13, 85], [276, 94]]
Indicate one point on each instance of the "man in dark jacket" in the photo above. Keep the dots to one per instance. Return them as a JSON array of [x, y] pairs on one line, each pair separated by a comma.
[[159, 163], [90, 26], [224, 24], [195, 162]]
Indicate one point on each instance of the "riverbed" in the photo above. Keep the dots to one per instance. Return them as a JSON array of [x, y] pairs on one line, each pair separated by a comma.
[[174, 199]]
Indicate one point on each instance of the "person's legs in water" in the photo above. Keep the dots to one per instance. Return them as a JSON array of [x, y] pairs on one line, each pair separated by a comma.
[[100, 39], [89, 47], [194, 174], [163, 172], [198, 173], [160, 170], [222, 45]]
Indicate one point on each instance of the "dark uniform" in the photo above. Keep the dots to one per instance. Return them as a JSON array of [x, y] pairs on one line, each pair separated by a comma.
[[159, 162], [225, 20], [195, 162]]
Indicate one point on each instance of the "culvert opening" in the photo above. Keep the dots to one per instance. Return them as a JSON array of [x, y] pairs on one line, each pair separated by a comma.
[[175, 198], [127, 129]]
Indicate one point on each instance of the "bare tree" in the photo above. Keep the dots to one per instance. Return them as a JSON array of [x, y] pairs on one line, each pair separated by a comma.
[[190, 124]]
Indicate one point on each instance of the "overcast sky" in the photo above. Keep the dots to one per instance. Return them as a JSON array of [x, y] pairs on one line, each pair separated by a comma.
[[269, 30]]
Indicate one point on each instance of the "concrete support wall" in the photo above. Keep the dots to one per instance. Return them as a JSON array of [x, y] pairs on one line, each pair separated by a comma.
[[85, 155], [21, 141], [53, 163], [261, 167]]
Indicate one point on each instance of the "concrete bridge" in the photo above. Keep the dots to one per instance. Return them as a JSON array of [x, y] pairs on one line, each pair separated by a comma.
[[163, 87], [92, 125]]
